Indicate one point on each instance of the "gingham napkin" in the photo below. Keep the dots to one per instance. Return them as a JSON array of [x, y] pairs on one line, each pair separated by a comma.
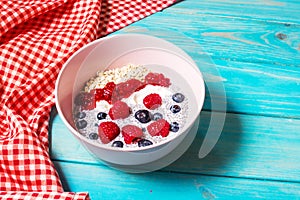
[[36, 38]]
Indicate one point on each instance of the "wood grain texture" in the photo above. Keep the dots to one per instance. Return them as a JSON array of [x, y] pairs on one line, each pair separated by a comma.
[[258, 89], [107, 183], [282, 11], [227, 37], [253, 88], [232, 40], [250, 147], [252, 50], [257, 61]]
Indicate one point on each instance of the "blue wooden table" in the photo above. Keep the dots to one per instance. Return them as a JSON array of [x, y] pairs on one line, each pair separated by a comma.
[[254, 47]]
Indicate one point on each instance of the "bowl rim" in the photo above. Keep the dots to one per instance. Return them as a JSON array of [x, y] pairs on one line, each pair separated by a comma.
[[82, 138]]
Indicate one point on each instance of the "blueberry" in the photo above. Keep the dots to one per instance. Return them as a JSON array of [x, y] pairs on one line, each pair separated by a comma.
[[175, 108], [93, 136], [80, 115], [81, 124], [178, 97], [174, 127], [101, 115], [157, 116], [144, 143], [144, 129], [143, 116], [117, 144]]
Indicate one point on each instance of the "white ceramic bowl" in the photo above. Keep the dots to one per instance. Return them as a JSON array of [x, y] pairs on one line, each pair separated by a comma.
[[116, 51]]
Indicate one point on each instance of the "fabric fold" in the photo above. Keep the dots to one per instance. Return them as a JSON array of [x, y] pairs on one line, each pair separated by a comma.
[[13, 13], [32, 53]]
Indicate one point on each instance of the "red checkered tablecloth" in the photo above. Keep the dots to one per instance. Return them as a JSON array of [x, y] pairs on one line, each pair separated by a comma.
[[36, 38]]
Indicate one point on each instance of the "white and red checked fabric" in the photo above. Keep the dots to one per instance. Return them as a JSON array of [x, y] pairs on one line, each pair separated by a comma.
[[36, 38]]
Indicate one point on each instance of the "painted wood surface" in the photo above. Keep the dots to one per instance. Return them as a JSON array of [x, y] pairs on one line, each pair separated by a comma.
[[250, 147], [259, 70], [106, 183], [228, 38], [252, 50]]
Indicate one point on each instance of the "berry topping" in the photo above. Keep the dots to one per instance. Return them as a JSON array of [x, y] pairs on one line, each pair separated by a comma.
[[144, 143], [93, 136], [152, 101], [174, 127], [125, 89], [178, 97], [108, 91], [104, 93], [101, 115], [114, 121], [157, 116], [81, 124], [175, 108], [117, 144], [160, 127], [119, 110], [98, 93], [131, 133], [131, 86], [108, 131], [85, 100], [80, 115], [143, 116], [157, 79], [119, 92]]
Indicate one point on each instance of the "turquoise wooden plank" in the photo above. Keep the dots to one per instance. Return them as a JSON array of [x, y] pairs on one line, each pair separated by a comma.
[[225, 37], [105, 183], [255, 66], [283, 11], [254, 88], [258, 89], [255, 48], [250, 146], [243, 62]]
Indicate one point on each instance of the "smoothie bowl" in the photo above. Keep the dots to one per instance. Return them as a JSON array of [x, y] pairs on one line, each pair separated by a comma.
[[130, 99]]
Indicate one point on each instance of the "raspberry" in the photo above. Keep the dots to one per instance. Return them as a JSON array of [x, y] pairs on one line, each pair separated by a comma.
[[157, 79], [125, 89], [110, 86], [119, 110], [131, 133], [132, 85], [98, 94], [85, 100], [152, 101], [119, 92], [108, 131], [104, 93], [108, 91], [115, 95], [160, 127], [151, 78]]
